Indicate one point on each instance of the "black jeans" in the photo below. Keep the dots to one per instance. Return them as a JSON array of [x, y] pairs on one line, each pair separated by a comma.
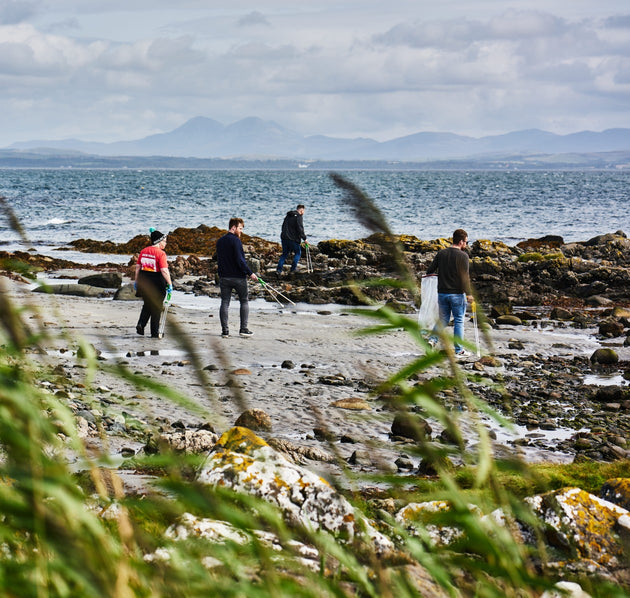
[[240, 286]]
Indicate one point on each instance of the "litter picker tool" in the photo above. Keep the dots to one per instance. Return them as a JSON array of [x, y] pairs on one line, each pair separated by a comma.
[[309, 261], [166, 305], [473, 308], [275, 293]]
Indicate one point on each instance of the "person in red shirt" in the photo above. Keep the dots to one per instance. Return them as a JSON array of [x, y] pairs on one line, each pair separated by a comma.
[[152, 282]]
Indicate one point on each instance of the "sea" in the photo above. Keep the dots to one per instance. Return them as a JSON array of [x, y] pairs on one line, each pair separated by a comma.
[[55, 206]]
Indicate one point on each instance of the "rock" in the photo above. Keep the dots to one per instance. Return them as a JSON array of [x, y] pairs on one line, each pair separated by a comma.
[[490, 361], [582, 525], [422, 515], [502, 309], [566, 589], [598, 301], [104, 280], [558, 313], [409, 425], [361, 457], [245, 463], [190, 442], [324, 434], [126, 293], [509, 320], [287, 364], [79, 290], [354, 403], [300, 454], [604, 356], [254, 419], [220, 532], [611, 328], [241, 372], [404, 463]]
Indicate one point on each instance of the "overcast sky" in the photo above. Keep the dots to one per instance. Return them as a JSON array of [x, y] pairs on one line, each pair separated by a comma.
[[109, 70]]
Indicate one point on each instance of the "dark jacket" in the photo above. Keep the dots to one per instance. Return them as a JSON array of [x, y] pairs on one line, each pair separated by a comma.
[[451, 265], [231, 257], [293, 227]]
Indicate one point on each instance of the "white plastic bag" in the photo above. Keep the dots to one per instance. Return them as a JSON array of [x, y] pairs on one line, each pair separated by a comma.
[[429, 313]]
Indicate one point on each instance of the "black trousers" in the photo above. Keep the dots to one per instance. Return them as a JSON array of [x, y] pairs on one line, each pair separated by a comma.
[[152, 289]]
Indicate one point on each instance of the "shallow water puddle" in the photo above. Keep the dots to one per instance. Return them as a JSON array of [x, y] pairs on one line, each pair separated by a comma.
[[605, 380]]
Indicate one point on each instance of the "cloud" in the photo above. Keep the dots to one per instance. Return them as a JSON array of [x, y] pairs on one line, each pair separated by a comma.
[[254, 18], [16, 11]]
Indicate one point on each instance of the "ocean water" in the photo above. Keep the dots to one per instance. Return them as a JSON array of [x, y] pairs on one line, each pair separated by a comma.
[[59, 205]]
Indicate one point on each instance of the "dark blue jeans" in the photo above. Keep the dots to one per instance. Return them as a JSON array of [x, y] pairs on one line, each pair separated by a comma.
[[288, 247], [227, 285]]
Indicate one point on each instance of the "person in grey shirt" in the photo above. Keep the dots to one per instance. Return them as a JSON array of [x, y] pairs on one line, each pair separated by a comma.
[[452, 267]]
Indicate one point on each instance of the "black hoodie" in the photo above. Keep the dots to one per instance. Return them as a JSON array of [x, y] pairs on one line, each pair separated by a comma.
[[293, 227]]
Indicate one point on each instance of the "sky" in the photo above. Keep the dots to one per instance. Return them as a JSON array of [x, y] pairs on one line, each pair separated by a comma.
[[111, 70]]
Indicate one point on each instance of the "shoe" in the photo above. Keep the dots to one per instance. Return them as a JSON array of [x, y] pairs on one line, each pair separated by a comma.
[[225, 333], [140, 330], [432, 342], [245, 332], [463, 353]]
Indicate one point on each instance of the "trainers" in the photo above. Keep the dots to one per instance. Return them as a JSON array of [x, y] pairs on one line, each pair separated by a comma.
[[245, 332], [463, 353], [225, 333], [140, 330], [432, 341]]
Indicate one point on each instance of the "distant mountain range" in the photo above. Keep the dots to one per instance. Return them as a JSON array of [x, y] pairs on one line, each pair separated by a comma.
[[253, 138]]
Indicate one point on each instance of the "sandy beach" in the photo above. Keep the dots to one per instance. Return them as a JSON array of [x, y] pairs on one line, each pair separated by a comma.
[[299, 362]]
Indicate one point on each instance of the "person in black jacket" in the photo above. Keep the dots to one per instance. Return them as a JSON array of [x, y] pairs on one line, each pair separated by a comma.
[[233, 273], [292, 236]]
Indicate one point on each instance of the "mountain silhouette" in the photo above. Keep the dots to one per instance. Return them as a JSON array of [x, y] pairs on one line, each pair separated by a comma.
[[252, 137]]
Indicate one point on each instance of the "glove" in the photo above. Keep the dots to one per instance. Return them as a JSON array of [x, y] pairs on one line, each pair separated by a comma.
[[135, 285], [169, 292]]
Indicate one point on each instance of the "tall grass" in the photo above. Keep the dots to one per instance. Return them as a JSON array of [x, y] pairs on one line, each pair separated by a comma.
[[71, 535]]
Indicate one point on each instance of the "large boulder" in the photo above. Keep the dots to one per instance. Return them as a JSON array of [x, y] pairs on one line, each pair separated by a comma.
[[79, 290], [103, 280]]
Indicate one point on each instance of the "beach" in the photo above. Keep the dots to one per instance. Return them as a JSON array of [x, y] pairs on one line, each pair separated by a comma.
[[300, 361]]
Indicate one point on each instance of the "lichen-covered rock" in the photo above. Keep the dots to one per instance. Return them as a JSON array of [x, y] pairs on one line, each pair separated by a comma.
[[425, 514], [245, 463], [221, 532], [582, 524]]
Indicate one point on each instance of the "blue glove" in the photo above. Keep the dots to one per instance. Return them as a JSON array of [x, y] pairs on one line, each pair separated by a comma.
[[135, 285], [169, 288]]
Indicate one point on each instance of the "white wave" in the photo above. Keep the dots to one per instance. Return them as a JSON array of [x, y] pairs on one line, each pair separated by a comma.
[[57, 221]]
